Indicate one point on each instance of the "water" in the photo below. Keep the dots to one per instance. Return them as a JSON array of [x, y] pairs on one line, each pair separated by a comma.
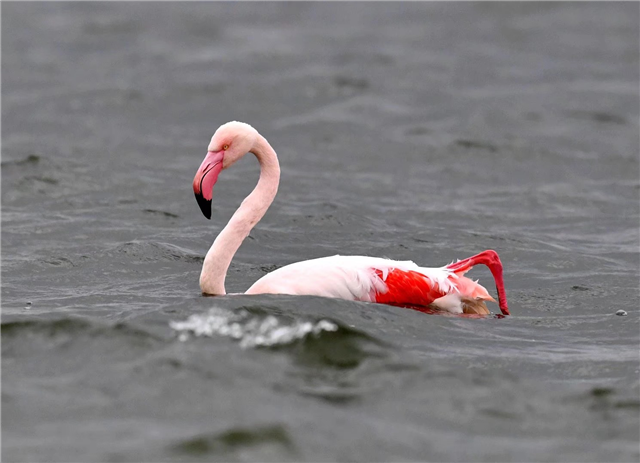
[[422, 131]]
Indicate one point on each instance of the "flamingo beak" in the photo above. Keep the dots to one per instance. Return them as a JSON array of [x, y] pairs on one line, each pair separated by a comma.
[[206, 177]]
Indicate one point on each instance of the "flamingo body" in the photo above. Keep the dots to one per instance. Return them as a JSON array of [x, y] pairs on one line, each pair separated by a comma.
[[359, 278], [373, 279]]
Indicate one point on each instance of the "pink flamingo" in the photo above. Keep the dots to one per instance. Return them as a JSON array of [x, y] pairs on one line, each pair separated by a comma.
[[359, 278]]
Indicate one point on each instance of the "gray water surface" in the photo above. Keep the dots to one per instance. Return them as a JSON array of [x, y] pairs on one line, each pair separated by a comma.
[[422, 131]]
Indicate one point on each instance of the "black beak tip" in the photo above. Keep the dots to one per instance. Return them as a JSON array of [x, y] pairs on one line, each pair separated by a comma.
[[205, 205]]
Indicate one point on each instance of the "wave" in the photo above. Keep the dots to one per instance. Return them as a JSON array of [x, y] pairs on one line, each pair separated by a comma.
[[235, 438], [155, 251], [68, 328], [251, 329]]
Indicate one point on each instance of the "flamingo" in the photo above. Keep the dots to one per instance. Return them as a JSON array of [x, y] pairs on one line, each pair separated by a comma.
[[360, 278]]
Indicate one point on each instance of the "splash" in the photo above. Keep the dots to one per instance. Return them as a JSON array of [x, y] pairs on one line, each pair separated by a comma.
[[249, 329]]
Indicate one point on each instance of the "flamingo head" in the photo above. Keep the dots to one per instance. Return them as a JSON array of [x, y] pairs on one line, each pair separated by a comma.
[[230, 142]]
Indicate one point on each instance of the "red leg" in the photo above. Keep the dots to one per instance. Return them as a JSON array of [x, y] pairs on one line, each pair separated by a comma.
[[490, 259]]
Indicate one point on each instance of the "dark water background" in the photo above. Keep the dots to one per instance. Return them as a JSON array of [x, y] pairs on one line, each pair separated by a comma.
[[423, 131]]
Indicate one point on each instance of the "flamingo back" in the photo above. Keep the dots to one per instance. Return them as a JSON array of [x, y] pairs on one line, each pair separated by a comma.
[[374, 279]]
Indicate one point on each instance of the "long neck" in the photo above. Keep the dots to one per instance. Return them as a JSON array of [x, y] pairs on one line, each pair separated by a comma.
[[252, 209]]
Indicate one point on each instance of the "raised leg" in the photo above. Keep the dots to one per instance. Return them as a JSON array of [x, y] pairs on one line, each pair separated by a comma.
[[490, 259]]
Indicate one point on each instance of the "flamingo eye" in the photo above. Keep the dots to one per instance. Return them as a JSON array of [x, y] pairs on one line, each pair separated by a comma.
[[225, 147]]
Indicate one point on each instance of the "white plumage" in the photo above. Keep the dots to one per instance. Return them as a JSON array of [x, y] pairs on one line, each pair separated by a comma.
[[344, 277]]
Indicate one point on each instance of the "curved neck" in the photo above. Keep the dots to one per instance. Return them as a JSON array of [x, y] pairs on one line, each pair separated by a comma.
[[252, 209]]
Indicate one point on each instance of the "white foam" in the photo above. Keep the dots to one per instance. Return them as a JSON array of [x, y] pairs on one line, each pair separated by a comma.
[[251, 330]]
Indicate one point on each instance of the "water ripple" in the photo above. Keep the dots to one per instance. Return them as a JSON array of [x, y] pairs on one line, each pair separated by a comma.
[[250, 329]]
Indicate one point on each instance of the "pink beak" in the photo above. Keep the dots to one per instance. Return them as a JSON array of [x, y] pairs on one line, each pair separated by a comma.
[[206, 177]]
